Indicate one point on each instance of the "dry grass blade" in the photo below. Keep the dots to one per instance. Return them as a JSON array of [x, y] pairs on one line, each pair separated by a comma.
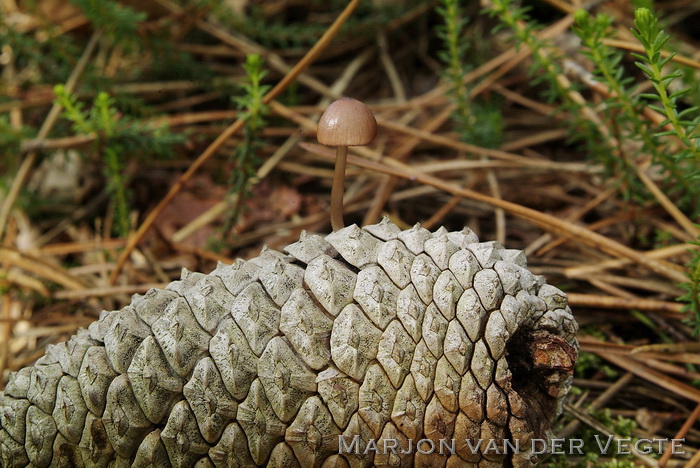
[[627, 350], [595, 268], [638, 48], [683, 431], [612, 354], [671, 309], [693, 462], [41, 268], [108, 291]]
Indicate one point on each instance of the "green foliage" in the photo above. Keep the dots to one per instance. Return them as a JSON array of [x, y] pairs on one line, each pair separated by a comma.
[[250, 103], [692, 288], [479, 122], [253, 111], [653, 40], [100, 120], [684, 124], [622, 114], [10, 139], [674, 147], [456, 48], [684, 127], [588, 362], [547, 68], [281, 34], [642, 3], [43, 58], [608, 70], [48, 55], [620, 426], [117, 139], [116, 20], [304, 28], [681, 166], [173, 63]]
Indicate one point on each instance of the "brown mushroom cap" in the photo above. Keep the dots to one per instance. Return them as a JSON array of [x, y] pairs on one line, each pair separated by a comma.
[[347, 122]]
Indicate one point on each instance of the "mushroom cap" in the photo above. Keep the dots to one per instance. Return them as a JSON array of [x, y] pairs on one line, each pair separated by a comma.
[[347, 122]]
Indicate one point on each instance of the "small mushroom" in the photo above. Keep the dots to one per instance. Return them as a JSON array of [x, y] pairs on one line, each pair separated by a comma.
[[346, 122]]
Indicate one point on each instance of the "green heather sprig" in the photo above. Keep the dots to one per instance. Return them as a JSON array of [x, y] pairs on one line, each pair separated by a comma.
[[674, 149], [117, 139], [274, 32], [607, 69], [683, 162], [547, 68], [680, 156], [621, 114], [625, 108], [692, 288], [544, 67], [684, 124], [119, 21], [479, 122], [99, 120], [253, 111], [11, 139], [455, 49]]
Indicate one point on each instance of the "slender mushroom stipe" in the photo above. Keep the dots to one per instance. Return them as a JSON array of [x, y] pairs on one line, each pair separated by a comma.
[[346, 122]]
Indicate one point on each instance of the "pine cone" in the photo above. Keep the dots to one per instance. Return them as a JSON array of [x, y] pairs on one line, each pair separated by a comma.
[[329, 356]]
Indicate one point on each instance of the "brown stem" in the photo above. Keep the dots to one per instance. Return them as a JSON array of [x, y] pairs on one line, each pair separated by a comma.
[[338, 189]]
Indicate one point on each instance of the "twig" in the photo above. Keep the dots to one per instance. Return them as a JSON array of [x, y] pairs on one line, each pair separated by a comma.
[[640, 283], [667, 204], [577, 214], [320, 218], [401, 153], [75, 141], [610, 302], [390, 69], [448, 142], [693, 462], [442, 212], [108, 290]]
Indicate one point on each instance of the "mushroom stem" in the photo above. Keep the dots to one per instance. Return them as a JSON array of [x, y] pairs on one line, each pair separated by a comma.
[[338, 189]]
